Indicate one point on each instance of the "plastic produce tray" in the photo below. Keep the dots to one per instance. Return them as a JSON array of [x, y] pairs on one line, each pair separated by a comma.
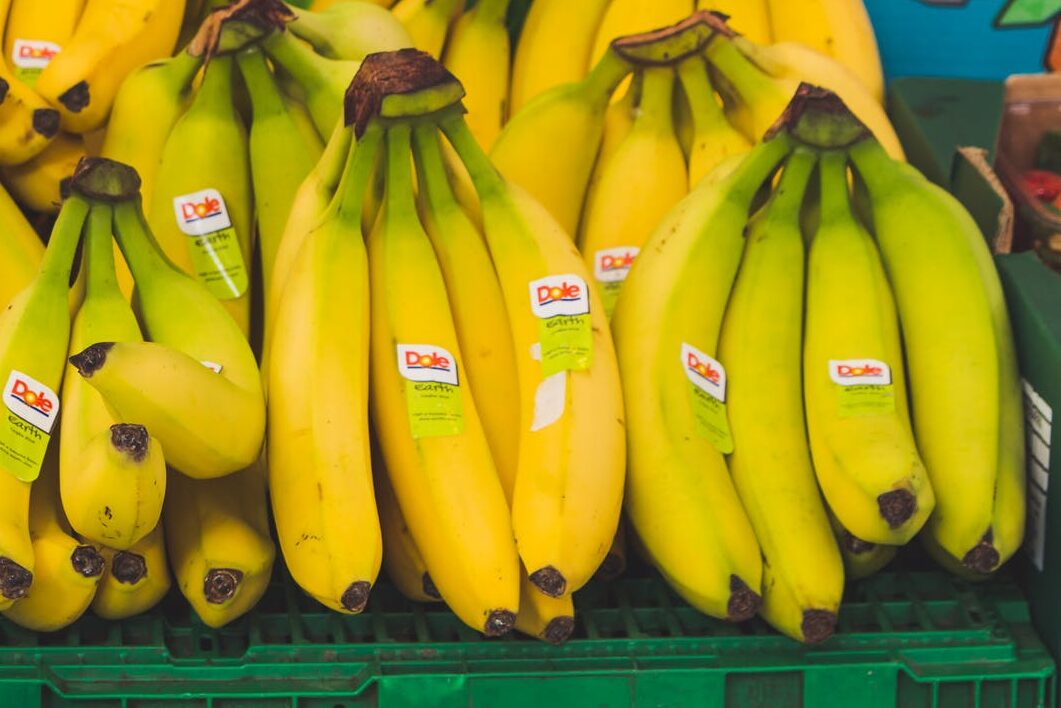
[[907, 639]]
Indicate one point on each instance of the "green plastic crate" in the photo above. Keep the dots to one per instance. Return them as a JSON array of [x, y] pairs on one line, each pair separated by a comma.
[[907, 639]]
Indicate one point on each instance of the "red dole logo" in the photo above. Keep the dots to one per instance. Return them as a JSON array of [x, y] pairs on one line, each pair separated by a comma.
[[194, 211], [704, 369], [37, 400], [611, 262], [564, 292], [848, 371], [28, 51], [433, 360]]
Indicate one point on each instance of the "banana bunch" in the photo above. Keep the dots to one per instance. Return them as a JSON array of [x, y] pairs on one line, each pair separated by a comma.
[[769, 377], [562, 40]]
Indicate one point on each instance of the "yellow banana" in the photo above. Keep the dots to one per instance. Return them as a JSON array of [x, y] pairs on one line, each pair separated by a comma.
[[614, 564], [639, 183], [554, 47], [840, 29], [27, 123], [217, 539], [428, 21], [760, 344], [431, 437], [134, 580], [34, 334], [21, 249], [550, 146], [625, 17], [41, 182], [749, 17], [112, 38], [349, 30], [36, 32], [858, 422], [714, 139], [202, 209], [478, 53], [112, 475], [320, 473], [402, 559], [618, 121], [66, 572], [861, 558], [551, 619]]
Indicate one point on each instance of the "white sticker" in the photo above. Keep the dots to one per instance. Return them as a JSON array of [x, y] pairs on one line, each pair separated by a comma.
[[612, 265], [559, 295], [201, 213], [427, 363], [550, 399], [31, 401], [1039, 417], [705, 372], [1035, 531], [860, 372], [33, 53], [216, 368]]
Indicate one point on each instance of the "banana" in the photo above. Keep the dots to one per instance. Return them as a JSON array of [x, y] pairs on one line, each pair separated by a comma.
[[323, 81], [320, 472], [858, 422], [350, 30], [569, 481], [614, 564], [625, 17], [21, 249], [112, 475], [112, 38], [217, 539], [202, 209], [281, 158], [639, 183], [766, 78], [27, 123], [840, 29], [760, 345], [554, 47], [713, 139], [428, 21], [479, 314], [478, 52], [618, 121], [861, 558], [964, 386], [749, 17], [66, 572], [36, 32], [402, 559], [431, 437], [41, 182], [134, 580], [550, 146], [680, 500], [34, 334]]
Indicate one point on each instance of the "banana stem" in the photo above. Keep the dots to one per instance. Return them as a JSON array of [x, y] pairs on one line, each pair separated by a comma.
[[484, 175], [605, 77], [491, 11], [262, 87], [656, 108], [182, 68], [751, 83], [836, 203], [350, 196], [99, 253], [787, 201], [707, 112], [216, 89], [399, 194], [138, 244], [758, 165], [431, 167], [296, 57], [868, 156], [59, 256]]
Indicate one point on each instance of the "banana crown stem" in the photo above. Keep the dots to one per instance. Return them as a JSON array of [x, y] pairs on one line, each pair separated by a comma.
[[399, 194], [350, 196], [696, 82], [787, 199], [836, 203], [261, 85], [748, 80], [655, 111], [59, 255], [431, 168], [138, 244], [484, 175], [299, 59], [102, 278], [491, 11], [872, 162], [216, 89], [604, 78]]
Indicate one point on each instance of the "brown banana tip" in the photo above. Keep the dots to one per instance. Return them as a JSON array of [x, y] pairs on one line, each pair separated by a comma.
[[559, 630], [87, 561], [4, 88], [499, 623], [817, 625], [429, 588], [14, 579], [131, 439], [45, 120], [549, 580], [897, 506], [385, 74], [983, 557], [105, 180], [76, 98], [743, 601], [612, 567], [855, 545], [128, 567], [220, 584], [356, 595], [92, 359]]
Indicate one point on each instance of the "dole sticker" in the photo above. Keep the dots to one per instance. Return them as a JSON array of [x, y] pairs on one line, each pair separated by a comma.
[[424, 362], [33, 53], [559, 295], [612, 265], [705, 372], [32, 409], [707, 390], [432, 390], [201, 213], [860, 372], [215, 250]]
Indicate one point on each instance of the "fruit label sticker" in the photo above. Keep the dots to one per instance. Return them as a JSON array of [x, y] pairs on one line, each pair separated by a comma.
[[30, 56], [561, 304], [432, 390], [863, 387], [212, 241], [31, 411], [707, 379], [610, 268]]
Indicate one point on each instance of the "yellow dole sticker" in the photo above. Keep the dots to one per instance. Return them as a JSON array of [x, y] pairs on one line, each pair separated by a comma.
[[212, 242], [707, 379], [432, 390], [561, 304], [863, 387]]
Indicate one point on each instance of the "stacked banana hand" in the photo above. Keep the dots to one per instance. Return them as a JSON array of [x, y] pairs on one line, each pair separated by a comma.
[[735, 337]]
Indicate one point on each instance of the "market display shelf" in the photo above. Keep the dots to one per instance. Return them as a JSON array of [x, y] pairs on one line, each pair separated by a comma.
[[908, 639]]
